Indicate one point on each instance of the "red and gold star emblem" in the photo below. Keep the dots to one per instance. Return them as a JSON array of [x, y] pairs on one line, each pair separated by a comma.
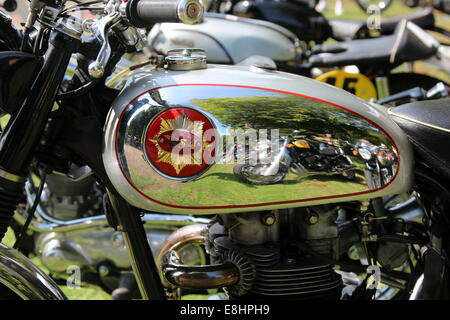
[[175, 142]]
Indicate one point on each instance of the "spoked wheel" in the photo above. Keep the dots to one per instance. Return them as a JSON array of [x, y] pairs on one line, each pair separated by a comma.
[[379, 4], [254, 174]]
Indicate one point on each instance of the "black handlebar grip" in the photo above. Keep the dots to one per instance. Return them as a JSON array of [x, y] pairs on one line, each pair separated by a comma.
[[9, 5], [144, 13]]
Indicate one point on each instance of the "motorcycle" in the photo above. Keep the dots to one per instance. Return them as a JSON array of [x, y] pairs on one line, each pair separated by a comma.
[[301, 18], [156, 146], [379, 163], [374, 58], [300, 156]]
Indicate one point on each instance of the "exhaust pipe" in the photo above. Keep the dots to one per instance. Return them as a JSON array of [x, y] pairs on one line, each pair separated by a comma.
[[198, 277], [174, 273]]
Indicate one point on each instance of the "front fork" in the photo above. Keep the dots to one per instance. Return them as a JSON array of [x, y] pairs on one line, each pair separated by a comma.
[[24, 130], [18, 144]]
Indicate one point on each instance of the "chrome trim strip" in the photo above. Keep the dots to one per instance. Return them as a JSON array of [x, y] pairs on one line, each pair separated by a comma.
[[418, 122]]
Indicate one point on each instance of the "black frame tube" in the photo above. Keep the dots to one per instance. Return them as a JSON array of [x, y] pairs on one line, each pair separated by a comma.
[[141, 256]]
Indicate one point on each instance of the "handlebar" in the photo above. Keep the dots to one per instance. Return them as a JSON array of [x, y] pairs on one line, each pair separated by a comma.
[[143, 13]]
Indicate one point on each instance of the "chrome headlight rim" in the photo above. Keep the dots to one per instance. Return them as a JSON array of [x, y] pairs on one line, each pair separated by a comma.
[[365, 154]]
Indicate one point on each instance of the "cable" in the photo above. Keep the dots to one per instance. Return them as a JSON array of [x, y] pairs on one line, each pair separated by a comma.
[[79, 91], [31, 211], [84, 4], [66, 12]]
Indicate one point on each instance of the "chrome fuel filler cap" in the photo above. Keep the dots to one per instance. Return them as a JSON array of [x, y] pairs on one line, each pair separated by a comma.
[[186, 59]]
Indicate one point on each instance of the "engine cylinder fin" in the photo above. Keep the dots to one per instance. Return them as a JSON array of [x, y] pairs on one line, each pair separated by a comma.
[[271, 276]]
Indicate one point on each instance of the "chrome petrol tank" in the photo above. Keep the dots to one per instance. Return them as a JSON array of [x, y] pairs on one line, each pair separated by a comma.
[[227, 39], [183, 142]]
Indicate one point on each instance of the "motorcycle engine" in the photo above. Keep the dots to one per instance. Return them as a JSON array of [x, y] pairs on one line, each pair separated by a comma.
[[285, 254], [66, 199]]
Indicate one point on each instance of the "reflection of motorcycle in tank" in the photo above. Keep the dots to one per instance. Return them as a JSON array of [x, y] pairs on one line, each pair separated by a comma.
[[262, 170], [379, 162], [301, 157]]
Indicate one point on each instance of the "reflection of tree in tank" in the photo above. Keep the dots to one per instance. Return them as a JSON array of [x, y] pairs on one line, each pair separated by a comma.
[[289, 113]]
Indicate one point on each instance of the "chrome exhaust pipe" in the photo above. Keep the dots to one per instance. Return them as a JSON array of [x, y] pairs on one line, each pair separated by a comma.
[[175, 274], [198, 277]]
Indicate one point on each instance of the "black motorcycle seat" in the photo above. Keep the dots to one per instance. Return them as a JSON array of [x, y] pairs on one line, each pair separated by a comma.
[[427, 125], [408, 43], [423, 18], [348, 29], [343, 30]]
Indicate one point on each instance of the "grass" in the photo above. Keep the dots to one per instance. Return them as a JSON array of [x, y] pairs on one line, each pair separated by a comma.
[[222, 175]]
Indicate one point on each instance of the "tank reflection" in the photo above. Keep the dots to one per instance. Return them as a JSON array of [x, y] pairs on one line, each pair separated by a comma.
[[380, 163], [302, 156], [304, 148]]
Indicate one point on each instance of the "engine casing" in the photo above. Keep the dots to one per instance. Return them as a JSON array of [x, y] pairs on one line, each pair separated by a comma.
[[203, 110]]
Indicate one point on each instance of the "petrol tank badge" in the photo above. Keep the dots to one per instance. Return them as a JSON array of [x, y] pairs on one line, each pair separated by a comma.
[[176, 144]]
